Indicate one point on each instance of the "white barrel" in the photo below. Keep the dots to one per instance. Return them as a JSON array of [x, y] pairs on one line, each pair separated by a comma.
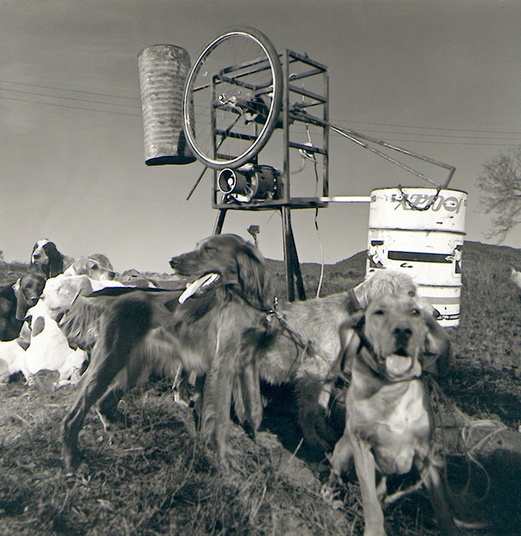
[[421, 231]]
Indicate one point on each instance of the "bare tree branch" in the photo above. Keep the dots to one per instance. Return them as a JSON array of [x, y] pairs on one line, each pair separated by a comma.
[[500, 184]]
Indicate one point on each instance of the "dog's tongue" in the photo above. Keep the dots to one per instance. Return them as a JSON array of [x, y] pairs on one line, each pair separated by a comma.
[[192, 288], [397, 365]]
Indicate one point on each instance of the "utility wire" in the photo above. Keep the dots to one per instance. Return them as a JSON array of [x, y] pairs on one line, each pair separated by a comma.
[[98, 94], [427, 128], [70, 107], [418, 137], [68, 98]]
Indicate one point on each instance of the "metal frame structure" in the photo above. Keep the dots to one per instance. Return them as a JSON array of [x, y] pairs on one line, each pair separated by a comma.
[[296, 68], [299, 106]]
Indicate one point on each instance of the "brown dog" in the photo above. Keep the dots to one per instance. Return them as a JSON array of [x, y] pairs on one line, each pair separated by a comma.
[[307, 348], [212, 329], [389, 422]]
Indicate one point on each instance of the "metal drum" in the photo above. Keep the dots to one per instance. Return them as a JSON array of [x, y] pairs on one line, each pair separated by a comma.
[[421, 231], [162, 74]]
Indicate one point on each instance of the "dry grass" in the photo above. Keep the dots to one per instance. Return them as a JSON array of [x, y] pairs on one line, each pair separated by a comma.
[[151, 478], [155, 477]]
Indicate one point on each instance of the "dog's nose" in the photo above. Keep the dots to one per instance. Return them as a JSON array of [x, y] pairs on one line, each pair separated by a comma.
[[402, 334], [175, 262]]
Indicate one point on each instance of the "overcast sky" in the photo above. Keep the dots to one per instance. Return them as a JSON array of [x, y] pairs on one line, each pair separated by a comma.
[[441, 78]]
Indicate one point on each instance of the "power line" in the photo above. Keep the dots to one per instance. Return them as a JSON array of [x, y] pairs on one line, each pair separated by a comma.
[[66, 89], [443, 135], [448, 137], [67, 98], [457, 143], [70, 107], [430, 128], [514, 142]]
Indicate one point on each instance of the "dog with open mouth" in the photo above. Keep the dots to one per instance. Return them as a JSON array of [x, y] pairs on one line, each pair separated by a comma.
[[389, 420], [213, 328]]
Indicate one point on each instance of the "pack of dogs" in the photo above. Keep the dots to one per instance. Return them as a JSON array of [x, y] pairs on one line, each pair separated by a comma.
[[225, 327]]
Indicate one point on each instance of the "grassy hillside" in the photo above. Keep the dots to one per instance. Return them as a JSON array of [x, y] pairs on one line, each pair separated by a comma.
[[156, 478]]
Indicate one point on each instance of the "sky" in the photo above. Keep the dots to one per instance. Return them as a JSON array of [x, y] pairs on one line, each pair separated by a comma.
[[440, 78]]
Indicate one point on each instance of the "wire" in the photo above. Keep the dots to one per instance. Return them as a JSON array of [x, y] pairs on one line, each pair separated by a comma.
[[427, 128], [68, 98], [451, 136], [322, 261], [311, 156], [70, 107], [98, 94]]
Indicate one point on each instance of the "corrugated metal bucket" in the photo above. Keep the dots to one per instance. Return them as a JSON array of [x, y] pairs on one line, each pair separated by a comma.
[[163, 70], [421, 231]]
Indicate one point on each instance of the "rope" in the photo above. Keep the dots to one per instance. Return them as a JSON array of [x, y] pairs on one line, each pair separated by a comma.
[[468, 449], [308, 347]]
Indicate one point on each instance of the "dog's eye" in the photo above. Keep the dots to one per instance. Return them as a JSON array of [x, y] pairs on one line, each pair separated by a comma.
[[412, 293], [95, 267], [415, 312], [378, 312]]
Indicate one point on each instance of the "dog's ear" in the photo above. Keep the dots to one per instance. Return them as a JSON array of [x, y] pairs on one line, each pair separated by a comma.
[[55, 265], [355, 321], [349, 340], [50, 249], [16, 286], [21, 300], [436, 358], [253, 277], [38, 326]]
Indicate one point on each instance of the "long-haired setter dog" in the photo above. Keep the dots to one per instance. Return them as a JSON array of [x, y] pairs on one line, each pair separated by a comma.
[[214, 328]]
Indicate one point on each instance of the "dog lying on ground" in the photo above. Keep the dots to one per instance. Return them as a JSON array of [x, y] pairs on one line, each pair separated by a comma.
[[389, 423], [15, 300], [307, 347], [48, 348], [213, 329], [91, 267]]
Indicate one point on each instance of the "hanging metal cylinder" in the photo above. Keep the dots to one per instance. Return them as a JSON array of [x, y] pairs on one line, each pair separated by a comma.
[[163, 70]]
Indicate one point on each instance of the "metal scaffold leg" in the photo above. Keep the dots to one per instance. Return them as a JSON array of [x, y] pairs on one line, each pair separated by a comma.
[[293, 273]]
